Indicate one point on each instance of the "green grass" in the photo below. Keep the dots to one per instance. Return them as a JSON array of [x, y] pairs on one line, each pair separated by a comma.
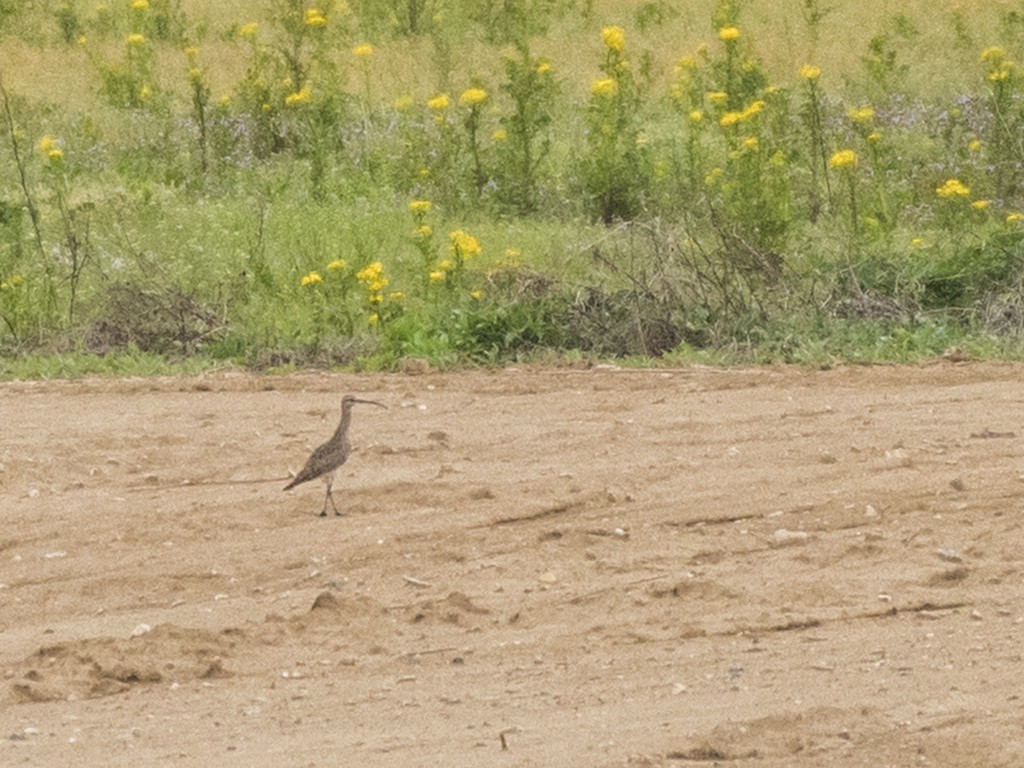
[[185, 209]]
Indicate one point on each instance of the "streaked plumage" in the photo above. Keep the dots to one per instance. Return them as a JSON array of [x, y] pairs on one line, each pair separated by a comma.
[[326, 459]]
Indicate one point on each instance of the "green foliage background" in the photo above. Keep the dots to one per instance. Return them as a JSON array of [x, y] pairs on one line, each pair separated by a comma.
[[294, 183]]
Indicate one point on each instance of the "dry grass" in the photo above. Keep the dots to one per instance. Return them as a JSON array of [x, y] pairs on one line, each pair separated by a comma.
[[61, 75]]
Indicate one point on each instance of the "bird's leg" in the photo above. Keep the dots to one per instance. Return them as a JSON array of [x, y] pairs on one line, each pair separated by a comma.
[[337, 511], [328, 481]]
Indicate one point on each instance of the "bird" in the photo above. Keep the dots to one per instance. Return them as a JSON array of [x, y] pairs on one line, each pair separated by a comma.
[[326, 459]]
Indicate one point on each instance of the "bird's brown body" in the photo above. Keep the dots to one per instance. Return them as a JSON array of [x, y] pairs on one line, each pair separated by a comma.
[[327, 458]]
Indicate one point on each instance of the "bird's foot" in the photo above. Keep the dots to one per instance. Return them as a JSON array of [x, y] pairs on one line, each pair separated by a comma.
[[324, 513]]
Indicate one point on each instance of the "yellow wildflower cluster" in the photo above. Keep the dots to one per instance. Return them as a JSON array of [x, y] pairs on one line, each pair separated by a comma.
[[614, 38], [315, 18], [15, 281], [248, 30], [472, 97], [50, 149], [140, 5], [420, 207], [363, 51], [843, 159], [718, 97], [543, 68], [729, 34], [462, 244], [995, 61], [439, 103], [735, 118], [953, 188], [861, 114], [135, 39], [604, 87], [300, 96], [810, 72], [336, 265], [310, 279], [372, 276]]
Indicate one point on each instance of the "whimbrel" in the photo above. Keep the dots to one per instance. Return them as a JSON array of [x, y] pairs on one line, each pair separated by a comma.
[[326, 459]]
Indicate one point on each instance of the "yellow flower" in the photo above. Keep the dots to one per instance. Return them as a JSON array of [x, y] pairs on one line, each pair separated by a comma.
[[718, 97], [463, 243], [404, 103], [543, 68], [336, 264], [512, 255], [750, 142], [810, 72], [439, 103], [917, 242], [373, 319], [420, 206], [135, 39], [713, 176], [471, 97], [1002, 73], [82, 40], [140, 5], [1012, 218], [55, 155], [953, 188], [729, 34], [875, 136], [299, 97], [314, 18], [377, 285], [980, 205], [396, 296], [145, 92], [370, 272], [424, 231], [685, 63], [696, 115], [862, 114], [476, 294], [732, 118], [844, 158], [16, 280], [437, 276], [993, 54], [754, 108], [605, 87], [46, 144], [614, 38], [248, 30], [313, 278], [445, 265], [974, 145], [363, 51]]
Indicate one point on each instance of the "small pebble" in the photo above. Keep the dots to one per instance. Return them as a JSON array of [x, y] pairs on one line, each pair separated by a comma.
[[784, 538]]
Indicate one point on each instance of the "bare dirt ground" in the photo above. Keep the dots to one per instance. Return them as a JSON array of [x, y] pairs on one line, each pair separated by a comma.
[[762, 567]]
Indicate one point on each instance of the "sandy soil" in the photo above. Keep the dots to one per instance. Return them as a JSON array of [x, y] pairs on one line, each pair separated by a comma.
[[764, 567]]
